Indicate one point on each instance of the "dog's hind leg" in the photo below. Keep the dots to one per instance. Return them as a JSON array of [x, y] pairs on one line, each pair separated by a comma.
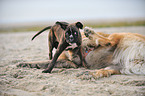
[[50, 50], [50, 44]]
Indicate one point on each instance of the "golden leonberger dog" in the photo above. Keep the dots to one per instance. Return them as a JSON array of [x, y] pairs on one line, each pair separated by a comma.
[[116, 53]]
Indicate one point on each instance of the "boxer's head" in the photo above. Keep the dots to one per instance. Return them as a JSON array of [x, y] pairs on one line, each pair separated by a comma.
[[71, 31]]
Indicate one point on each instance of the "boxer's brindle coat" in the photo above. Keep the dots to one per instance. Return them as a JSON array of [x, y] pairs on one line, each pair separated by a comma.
[[62, 36]]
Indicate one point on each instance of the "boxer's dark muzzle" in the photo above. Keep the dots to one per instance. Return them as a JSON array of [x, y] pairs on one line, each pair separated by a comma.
[[71, 36]]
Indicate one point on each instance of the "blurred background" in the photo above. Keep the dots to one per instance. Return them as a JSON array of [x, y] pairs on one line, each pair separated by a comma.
[[32, 15]]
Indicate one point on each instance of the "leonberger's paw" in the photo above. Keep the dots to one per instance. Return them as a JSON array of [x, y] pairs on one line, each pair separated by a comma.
[[103, 73]]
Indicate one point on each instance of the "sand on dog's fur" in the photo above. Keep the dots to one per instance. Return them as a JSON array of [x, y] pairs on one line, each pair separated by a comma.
[[14, 81]]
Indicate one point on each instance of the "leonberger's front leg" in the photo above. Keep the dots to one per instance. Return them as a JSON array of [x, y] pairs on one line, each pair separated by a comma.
[[61, 63], [35, 64]]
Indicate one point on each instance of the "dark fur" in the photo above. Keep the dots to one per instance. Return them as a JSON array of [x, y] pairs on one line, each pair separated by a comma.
[[61, 36]]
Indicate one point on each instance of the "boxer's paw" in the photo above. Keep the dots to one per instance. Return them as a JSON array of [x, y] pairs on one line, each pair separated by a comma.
[[46, 71]]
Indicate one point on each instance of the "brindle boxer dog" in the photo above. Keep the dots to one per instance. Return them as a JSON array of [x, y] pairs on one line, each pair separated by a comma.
[[63, 36]]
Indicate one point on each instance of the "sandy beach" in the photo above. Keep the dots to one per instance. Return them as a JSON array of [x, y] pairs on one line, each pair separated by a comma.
[[14, 81]]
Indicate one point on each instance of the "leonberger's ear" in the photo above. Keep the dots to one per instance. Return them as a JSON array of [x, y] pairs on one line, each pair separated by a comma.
[[62, 24], [79, 25]]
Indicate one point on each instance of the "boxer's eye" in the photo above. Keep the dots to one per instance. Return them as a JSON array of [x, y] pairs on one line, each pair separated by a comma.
[[69, 33], [66, 33]]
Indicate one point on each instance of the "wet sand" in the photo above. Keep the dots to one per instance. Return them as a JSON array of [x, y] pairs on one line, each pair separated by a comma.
[[14, 81]]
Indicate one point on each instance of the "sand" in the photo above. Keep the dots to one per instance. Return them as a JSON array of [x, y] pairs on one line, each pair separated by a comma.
[[14, 81]]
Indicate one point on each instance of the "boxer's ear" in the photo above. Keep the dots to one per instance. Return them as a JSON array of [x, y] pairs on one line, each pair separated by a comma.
[[79, 25], [62, 24]]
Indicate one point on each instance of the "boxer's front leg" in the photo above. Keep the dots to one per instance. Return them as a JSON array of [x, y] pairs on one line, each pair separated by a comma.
[[82, 58], [59, 50]]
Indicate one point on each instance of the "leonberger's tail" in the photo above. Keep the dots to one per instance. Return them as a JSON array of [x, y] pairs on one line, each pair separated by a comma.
[[41, 32]]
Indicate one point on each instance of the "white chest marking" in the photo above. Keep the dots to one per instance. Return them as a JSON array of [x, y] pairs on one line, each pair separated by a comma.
[[74, 45]]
